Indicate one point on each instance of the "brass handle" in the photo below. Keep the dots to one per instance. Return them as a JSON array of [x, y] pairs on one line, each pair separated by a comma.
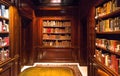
[[1, 69]]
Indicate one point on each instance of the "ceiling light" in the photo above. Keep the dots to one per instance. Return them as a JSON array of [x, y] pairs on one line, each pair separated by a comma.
[[55, 1]]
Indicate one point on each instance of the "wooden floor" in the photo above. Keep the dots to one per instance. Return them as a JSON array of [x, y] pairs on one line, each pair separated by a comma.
[[78, 69]]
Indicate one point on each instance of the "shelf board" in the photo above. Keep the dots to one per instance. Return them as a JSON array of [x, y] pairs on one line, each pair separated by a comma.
[[110, 15], [59, 33], [57, 39], [4, 32], [55, 26], [57, 47], [4, 46], [1, 17], [104, 67], [109, 51], [109, 32], [102, 2]]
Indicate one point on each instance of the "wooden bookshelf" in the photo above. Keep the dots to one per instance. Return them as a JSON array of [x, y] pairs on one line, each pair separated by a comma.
[[110, 15], [9, 53], [104, 49], [4, 32], [56, 33], [109, 32], [107, 36], [56, 39]]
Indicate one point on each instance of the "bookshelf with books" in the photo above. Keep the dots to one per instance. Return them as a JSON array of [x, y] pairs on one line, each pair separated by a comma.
[[8, 54], [4, 33], [56, 39], [107, 30], [5, 57], [57, 33]]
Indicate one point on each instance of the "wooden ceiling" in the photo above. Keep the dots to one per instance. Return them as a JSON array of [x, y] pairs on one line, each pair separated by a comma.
[[48, 2]]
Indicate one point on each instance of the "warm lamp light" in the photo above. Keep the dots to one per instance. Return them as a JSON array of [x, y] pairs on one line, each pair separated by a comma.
[[55, 1]]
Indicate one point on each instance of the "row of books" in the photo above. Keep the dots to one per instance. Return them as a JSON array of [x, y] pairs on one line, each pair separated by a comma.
[[4, 55], [112, 45], [56, 23], [57, 43], [57, 30], [111, 24], [4, 12], [55, 37], [4, 27], [110, 61], [108, 7], [4, 41]]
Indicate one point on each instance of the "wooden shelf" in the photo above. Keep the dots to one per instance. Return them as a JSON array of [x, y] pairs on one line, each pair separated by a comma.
[[55, 47], [109, 51], [109, 32], [104, 23], [104, 67], [1, 17], [4, 32], [57, 39], [4, 46], [110, 15], [58, 33], [102, 2], [55, 26]]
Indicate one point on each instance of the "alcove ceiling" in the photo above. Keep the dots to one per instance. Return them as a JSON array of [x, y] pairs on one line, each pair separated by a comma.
[[55, 2]]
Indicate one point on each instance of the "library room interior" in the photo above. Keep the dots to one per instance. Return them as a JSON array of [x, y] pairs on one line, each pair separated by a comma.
[[59, 37]]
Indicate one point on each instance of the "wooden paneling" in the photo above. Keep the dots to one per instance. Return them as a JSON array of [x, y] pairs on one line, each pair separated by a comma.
[[14, 31], [25, 8], [56, 54], [86, 28], [26, 40], [56, 11]]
